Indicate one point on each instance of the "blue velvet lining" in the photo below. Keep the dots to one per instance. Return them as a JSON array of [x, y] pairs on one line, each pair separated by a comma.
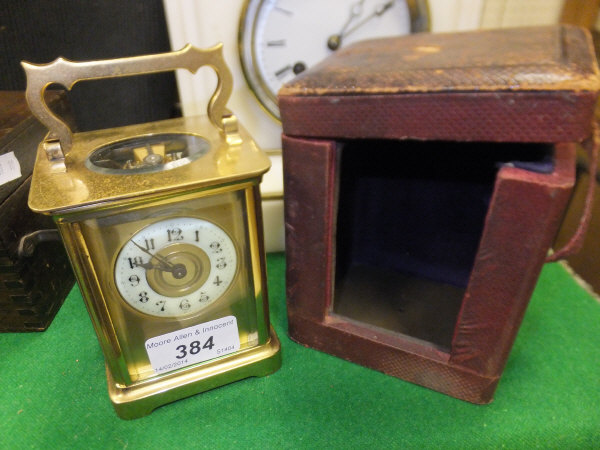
[[419, 207]]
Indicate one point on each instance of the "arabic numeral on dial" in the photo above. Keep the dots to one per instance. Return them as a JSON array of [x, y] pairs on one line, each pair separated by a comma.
[[217, 281], [143, 297], [184, 305], [203, 297], [197, 234], [149, 244], [174, 234], [221, 264], [135, 262], [134, 280], [215, 247], [162, 304]]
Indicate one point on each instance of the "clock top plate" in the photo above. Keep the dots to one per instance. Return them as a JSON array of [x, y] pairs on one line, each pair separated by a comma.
[[83, 188]]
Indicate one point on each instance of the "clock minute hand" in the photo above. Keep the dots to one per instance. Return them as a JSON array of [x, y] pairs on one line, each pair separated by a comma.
[[178, 270], [163, 262], [379, 11]]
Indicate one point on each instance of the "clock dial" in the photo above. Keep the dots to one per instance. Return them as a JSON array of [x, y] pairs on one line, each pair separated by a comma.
[[175, 267], [282, 38]]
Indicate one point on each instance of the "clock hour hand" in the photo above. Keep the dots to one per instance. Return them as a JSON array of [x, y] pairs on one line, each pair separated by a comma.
[[147, 265], [178, 270], [335, 40]]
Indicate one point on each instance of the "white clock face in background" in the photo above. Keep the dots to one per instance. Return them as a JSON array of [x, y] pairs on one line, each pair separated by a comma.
[[282, 38], [175, 267]]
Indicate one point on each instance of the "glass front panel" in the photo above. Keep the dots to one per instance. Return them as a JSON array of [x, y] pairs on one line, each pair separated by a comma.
[[170, 265]]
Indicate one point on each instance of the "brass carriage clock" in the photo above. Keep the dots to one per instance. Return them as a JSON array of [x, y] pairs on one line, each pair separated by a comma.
[[163, 227]]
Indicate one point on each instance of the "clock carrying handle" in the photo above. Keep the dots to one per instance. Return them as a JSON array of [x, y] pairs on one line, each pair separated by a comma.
[[67, 73]]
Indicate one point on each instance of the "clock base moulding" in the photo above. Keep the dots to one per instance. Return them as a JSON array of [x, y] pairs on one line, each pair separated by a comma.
[[141, 399]]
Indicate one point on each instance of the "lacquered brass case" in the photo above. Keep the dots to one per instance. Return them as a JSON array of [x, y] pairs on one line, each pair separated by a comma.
[[104, 188]]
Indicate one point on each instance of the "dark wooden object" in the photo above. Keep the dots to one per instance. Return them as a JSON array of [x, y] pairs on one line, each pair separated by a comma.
[[35, 274], [425, 178]]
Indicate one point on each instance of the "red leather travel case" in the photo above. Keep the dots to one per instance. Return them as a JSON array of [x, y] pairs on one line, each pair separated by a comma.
[[425, 178]]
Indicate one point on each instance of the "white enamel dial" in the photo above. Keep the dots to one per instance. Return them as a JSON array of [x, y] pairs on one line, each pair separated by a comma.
[[282, 38], [175, 267]]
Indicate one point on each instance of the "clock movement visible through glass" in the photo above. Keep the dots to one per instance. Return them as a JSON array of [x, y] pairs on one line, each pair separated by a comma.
[[151, 153]]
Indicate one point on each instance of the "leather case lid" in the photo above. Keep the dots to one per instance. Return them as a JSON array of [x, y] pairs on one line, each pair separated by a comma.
[[446, 79]]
